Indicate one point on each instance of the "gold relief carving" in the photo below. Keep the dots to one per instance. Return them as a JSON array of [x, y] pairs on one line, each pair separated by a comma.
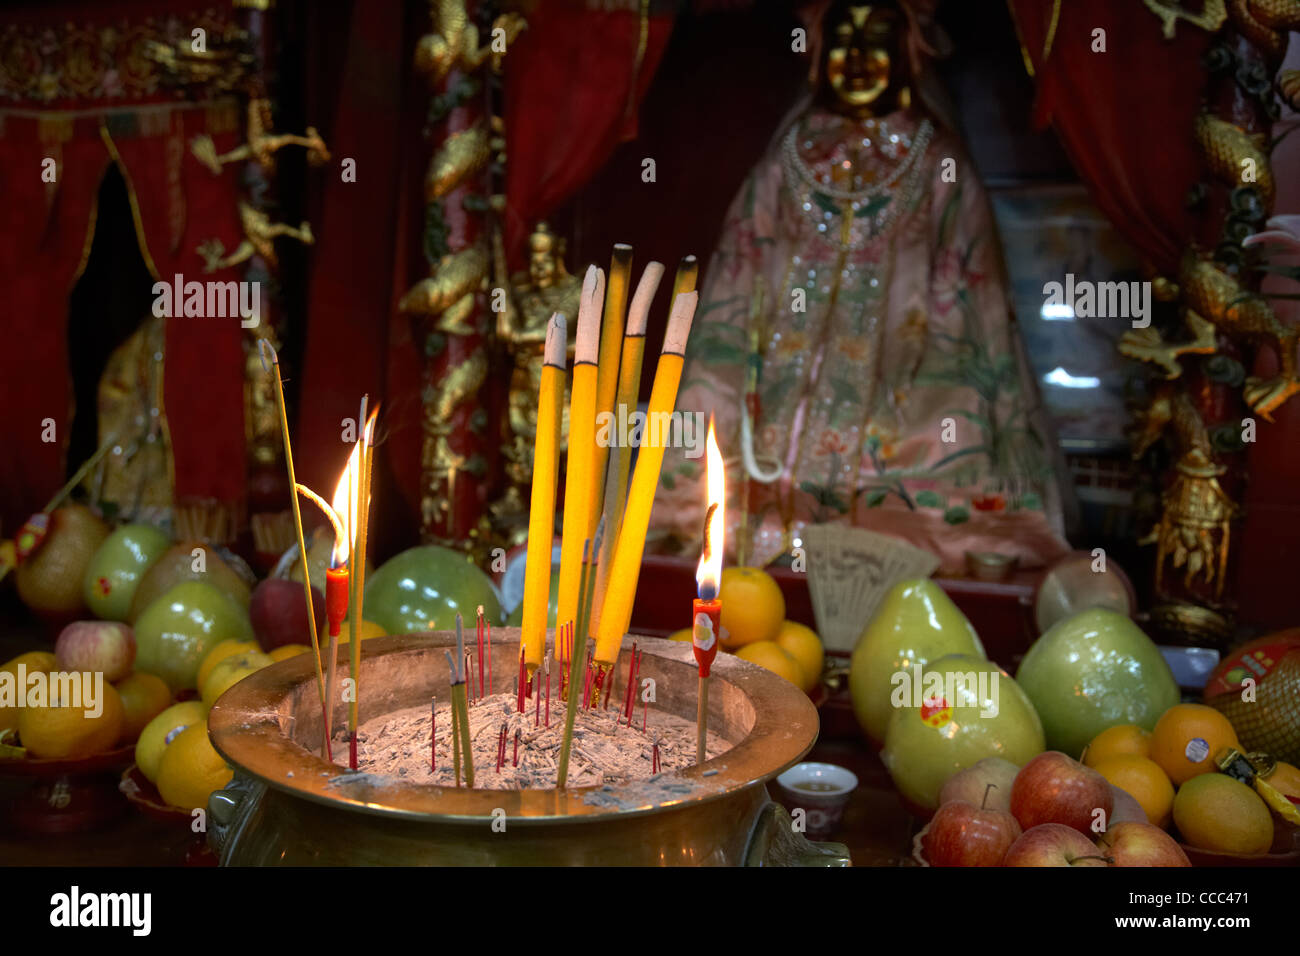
[[262, 412], [454, 42], [455, 320], [455, 276], [1214, 294], [1288, 84], [262, 142], [1232, 153], [1194, 530], [120, 61], [438, 461], [1212, 15], [1146, 345], [1269, 41], [259, 235], [460, 156]]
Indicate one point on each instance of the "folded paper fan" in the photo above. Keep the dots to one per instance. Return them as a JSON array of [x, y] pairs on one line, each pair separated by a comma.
[[849, 571]]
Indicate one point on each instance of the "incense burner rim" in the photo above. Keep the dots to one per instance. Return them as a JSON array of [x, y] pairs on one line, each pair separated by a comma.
[[247, 726]]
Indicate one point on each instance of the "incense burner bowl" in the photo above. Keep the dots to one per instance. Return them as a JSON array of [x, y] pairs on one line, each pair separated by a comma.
[[288, 806]]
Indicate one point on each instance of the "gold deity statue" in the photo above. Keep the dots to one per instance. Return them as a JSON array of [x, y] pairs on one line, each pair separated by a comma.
[[545, 288]]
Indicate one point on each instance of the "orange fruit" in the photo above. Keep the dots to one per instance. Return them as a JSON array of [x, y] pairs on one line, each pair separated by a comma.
[[286, 651], [62, 730], [144, 697], [1187, 738], [753, 607], [191, 769], [162, 730], [1116, 741], [684, 634], [1144, 781], [219, 653], [1215, 812], [230, 671], [803, 644], [49, 580], [34, 661], [771, 655]]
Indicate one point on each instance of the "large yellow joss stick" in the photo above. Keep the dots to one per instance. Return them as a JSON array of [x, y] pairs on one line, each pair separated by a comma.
[[607, 373], [579, 474], [541, 515], [629, 386], [616, 613]]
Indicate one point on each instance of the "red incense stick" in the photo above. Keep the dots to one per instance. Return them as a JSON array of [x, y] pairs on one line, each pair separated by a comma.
[[645, 714], [548, 690], [433, 735], [515, 762], [487, 640], [654, 758], [537, 709], [352, 750], [609, 685], [501, 747]]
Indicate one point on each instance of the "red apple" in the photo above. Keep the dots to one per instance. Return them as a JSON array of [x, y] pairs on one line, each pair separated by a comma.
[[278, 613], [107, 646], [1127, 809], [962, 834], [1053, 844], [1140, 844], [1053, 788], [972, 784]]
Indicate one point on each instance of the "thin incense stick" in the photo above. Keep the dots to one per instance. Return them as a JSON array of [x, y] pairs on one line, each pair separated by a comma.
[[571, 703], [263, 347], [462, 707]]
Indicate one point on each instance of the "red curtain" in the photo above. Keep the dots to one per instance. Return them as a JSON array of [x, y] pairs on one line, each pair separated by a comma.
[[1124, 115], [572, 90], [84, 111]]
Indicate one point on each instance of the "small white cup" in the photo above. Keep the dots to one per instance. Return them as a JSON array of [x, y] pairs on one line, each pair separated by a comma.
[[821, 790]]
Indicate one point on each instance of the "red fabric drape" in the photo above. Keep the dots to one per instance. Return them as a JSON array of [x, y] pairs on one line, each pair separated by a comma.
[[49, 227], [572, 91], [1124, 116], [77, 91]]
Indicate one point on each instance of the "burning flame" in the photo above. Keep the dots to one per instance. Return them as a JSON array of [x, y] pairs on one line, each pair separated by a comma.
[[708, 574], [346, 493]]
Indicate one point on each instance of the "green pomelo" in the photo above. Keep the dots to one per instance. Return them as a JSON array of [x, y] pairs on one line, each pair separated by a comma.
[[424, 588], [1092, 671]]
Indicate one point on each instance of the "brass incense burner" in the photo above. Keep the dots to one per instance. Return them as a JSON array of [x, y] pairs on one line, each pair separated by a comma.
[[288, 806]]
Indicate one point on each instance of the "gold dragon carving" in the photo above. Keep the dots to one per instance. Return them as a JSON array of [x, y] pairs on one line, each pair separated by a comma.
[[447, 297], [1193, 533]]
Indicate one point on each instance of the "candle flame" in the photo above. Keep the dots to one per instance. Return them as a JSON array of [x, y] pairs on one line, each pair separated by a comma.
[[346, 493], [708, 575]]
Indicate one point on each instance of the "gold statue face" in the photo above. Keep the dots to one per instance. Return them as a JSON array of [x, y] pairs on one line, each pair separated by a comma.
[[541, 269], [542, 253], [863, 57]]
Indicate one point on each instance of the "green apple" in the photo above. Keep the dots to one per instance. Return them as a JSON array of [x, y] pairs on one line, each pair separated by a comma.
[[1091, 671], [176, 631], [422, 589], [948, 714], [916, 623], [117, 566]]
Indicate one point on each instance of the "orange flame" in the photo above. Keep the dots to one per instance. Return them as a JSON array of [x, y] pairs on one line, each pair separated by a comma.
[[708, 574], [346, 493]]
